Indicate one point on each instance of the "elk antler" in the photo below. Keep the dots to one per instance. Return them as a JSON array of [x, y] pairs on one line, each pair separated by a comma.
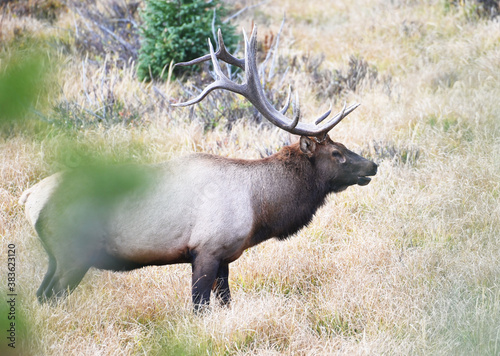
[[253, 91]]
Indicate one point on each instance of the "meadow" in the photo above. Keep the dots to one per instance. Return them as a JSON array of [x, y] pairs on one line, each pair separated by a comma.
[[408, 265]]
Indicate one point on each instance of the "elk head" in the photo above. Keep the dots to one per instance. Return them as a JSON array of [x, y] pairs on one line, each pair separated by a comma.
[[333, 160]]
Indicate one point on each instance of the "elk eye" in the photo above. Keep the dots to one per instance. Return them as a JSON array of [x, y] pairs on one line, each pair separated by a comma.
[[339, 156]]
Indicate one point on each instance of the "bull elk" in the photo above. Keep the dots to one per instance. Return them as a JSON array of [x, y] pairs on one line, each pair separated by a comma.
[[202, 209]]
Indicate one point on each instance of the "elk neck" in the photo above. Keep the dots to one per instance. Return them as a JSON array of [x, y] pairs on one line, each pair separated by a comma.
[[286, 194]]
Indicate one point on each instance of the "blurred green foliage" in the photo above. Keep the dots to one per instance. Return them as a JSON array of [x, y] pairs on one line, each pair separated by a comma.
[[24, 81], [94, 173], [27, 79], [177, 31], [81, 210], [102, 185], [14, 325]]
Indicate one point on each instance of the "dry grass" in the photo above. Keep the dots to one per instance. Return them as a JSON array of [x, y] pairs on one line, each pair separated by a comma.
[[406, 265]]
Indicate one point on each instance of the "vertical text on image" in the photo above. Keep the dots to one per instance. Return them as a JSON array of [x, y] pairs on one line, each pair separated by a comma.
[[11, 294]]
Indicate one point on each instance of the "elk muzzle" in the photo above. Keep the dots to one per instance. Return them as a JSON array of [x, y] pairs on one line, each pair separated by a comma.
[[371, 170]]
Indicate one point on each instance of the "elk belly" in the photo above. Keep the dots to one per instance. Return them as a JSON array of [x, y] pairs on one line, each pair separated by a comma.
[[152, 229]]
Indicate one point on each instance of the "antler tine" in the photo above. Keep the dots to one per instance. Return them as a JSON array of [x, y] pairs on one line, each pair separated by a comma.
[[200, 97], [222, 82], [255, 93], [296, 112], [337, 118], [221, 54], [227, 57], [287, 103], [342, 113], [215, 62], [324, 116], [250, 54]]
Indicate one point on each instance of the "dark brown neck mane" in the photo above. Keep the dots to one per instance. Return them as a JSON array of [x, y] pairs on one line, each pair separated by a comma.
[[288, 195]]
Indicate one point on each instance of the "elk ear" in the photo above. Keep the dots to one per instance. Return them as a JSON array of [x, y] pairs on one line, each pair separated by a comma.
[[307, 145]]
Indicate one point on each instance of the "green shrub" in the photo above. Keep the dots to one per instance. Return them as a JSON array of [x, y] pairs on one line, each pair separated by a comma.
[[178, 31]]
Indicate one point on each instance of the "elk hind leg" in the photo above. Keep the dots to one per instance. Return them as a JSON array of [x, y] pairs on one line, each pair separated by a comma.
[[221, 285], [204, 274], [47, 279], [64, 280]]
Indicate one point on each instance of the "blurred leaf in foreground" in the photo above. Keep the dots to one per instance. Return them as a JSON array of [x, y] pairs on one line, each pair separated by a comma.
[[24, 73], [91, 183], [16, 333], [79, 213]]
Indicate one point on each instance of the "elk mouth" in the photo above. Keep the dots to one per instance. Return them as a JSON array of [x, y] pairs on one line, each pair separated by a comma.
[[364, 180]]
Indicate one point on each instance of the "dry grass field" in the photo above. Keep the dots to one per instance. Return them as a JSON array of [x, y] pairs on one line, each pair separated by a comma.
[[408, 265]]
